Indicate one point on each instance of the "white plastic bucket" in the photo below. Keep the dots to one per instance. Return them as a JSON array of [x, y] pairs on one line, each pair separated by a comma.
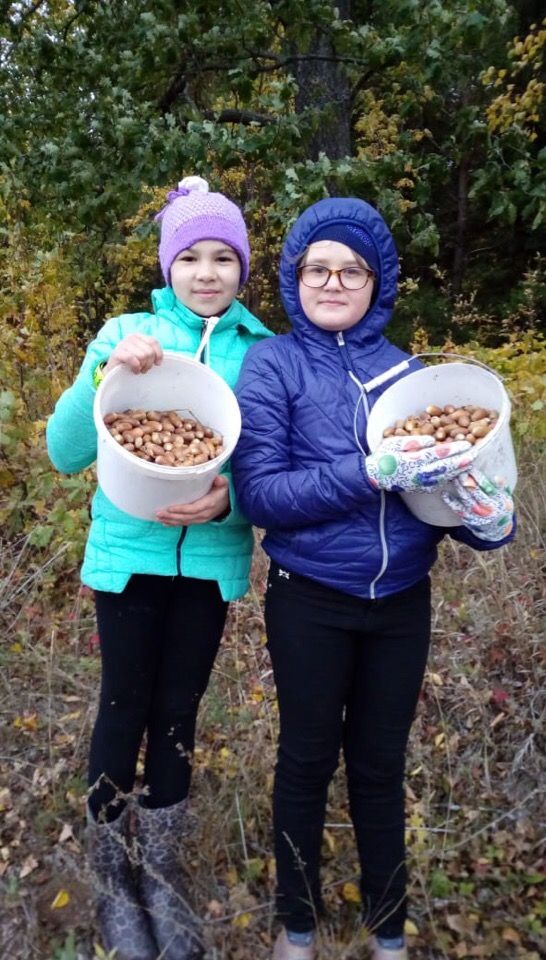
[[179, 383], [459, 384]]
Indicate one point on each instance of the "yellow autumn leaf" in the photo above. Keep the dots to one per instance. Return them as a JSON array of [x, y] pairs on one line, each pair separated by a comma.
[[351, 893], [70, 716], [61, 900], [435, 679], [242, 920], [16, 647], [27, 722], [411, 929]]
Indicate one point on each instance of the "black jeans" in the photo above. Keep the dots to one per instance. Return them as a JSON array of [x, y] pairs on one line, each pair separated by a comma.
[[158, 641], [348, 673]]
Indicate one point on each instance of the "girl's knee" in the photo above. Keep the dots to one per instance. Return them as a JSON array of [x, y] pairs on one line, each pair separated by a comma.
[[306, 768], [375, 772], [121, 712]]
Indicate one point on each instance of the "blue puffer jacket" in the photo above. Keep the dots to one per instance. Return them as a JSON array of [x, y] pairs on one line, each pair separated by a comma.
[[298, 469]]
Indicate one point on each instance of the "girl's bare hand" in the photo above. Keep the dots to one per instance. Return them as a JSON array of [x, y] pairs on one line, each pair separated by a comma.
[[213, 504], [138, 351]]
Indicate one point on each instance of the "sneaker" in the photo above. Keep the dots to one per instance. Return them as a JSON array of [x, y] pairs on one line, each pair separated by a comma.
[[384, 953], [284, 950]]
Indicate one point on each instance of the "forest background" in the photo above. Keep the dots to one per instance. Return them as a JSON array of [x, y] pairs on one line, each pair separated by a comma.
[[432, 111]]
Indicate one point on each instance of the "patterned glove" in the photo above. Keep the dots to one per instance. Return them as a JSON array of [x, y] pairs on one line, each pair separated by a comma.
[[486, 508], [416, 463]]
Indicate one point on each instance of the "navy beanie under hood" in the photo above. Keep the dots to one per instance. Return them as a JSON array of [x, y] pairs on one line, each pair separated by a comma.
[[357, 238]]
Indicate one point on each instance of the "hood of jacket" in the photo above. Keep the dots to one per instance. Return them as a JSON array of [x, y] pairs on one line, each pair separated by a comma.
[[348, 211]]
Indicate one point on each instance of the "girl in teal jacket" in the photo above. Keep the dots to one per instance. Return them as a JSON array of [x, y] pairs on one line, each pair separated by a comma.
[[161, 587]]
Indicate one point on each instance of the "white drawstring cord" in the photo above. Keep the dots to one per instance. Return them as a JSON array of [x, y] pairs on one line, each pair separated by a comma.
[[211, 323]]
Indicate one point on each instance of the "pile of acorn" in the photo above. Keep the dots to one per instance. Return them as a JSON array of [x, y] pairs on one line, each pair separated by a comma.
[[164, 437], [470, 423]]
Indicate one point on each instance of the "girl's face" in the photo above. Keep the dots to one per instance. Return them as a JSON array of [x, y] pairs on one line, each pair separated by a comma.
[[333, 307], [205, 277]]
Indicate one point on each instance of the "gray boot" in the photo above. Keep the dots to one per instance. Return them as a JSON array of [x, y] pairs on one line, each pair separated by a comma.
[[176, 928], [122, 922]]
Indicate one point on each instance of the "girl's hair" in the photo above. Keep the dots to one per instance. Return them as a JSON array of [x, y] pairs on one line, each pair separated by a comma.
[[298, 261]]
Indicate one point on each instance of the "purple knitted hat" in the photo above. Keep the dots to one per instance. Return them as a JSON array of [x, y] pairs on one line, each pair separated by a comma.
[[193, 214]]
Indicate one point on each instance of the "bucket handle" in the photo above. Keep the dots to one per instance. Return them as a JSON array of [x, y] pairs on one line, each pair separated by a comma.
[[460, 356], [399, 367]]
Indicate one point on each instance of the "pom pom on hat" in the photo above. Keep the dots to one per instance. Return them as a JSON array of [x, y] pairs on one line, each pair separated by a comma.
[[194, 183], [193, 213]]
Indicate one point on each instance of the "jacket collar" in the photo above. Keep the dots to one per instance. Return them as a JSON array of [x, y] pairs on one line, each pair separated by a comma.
[[166, 304]]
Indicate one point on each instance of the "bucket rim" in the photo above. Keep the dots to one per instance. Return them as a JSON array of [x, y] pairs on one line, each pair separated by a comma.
[[167, 355], [157, 469], [504, 412]]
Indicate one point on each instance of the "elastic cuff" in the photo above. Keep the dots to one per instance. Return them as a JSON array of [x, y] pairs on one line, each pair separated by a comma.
[[98, 374]]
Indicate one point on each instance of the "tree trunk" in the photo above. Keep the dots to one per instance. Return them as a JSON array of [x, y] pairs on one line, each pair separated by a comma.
[[323, 88], [460, 234]]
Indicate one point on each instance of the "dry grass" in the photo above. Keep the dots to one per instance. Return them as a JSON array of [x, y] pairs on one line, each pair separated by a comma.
[[476, 770]]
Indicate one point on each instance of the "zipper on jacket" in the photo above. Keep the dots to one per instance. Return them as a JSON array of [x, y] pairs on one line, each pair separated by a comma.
[[183, 533], [341, 343], [383, 506], [384, 545], [204, 326]]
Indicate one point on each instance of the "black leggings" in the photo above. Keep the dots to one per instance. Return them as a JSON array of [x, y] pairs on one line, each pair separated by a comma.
[[158, 641], [348, 673]]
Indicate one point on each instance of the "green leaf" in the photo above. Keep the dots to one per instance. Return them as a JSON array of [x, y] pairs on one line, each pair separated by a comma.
[[440, 884]]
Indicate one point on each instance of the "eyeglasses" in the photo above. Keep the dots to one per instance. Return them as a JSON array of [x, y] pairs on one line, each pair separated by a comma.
[[351, 278]]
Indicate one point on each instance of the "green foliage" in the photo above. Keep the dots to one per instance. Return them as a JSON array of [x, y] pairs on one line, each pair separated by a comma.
[[445, 104], [39, 355], [68, 950], [521, 362]]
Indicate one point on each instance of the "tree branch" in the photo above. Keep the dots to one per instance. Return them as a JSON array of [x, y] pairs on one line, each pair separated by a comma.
[[238, 116], [361, 82], [192, 69], [173, 92]]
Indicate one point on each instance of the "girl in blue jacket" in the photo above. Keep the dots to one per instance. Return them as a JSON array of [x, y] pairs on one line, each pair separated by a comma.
[[161, 587], [348, 595]]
